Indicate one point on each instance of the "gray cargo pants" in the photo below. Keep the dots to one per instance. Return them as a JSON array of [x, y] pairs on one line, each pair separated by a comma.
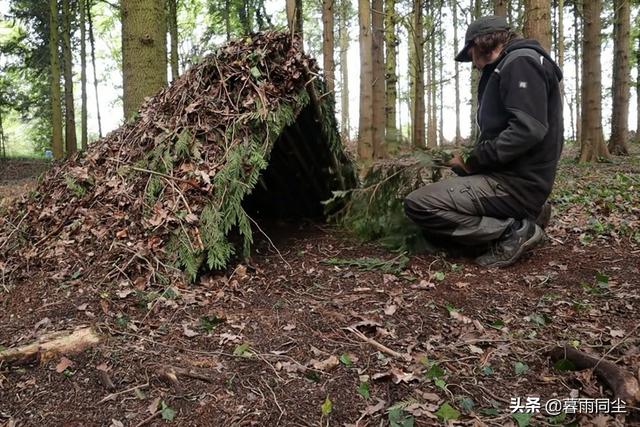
[[468, 210]]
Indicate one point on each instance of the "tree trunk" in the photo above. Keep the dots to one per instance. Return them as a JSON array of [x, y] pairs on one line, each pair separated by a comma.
[[3, 144], [93, 62], [83, 75], [227, 19], [344, 71], [144, 51], [411, 71], [432, 139], [242, 8], [328, 44], [418, 118], [440, 60], [638, 83], [537, 22], [475, 78], [391, 43], [56, 107], [500, 8], [576, 54], [592, 147], [620, 114], [71, 142], [365, 129], [377, 55], [294, 16], [456, 77], [173, 33]]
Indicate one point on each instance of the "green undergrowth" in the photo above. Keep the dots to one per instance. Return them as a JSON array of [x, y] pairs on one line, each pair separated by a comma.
[[607, 194]]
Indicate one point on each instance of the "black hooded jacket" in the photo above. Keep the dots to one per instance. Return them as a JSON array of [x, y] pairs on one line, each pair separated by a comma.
[[521, 125]]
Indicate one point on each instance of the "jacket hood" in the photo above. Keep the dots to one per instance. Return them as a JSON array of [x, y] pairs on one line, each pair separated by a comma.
[[532, 44]]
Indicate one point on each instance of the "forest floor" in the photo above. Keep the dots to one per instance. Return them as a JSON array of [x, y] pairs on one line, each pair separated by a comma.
[[330, 331]]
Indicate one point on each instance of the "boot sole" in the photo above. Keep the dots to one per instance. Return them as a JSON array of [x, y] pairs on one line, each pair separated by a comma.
[[538, 237]]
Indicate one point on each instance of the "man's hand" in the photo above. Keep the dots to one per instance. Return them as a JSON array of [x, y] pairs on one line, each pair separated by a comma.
[[457, 163]]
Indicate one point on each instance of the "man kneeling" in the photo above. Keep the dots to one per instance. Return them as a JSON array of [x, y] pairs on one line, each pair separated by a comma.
[[503, 185]]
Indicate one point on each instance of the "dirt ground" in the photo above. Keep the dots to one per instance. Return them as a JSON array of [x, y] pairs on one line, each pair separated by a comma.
[[327, 330]]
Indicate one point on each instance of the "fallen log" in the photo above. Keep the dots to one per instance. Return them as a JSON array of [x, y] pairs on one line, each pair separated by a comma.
[[50, 346], [622, 383]]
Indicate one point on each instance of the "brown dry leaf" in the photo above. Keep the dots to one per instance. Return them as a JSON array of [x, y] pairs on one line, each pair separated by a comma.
[[189, 333], [616, 333], [327, 364], [124, 293], [431, 397], [388, 278], [396, 375], [456, 315], [103, 367], [423, 284], [422, 409], [153, 406], [372, 409], [390, 309], [63, 364], [475, 349]]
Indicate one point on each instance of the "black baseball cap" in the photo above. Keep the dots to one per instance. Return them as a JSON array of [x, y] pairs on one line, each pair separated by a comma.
[[484, 25]]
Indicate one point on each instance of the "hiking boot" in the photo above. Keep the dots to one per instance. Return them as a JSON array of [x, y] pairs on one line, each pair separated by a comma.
[[545, 216], [520, 237]]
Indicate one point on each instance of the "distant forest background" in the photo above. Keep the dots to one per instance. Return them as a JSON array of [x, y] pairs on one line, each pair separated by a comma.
[[61, 60]]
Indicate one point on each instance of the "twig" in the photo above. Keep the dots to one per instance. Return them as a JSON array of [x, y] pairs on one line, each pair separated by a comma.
[[379, 346], [275, 399], [270, 242], [148, 419], [16, 228], [112, 396]]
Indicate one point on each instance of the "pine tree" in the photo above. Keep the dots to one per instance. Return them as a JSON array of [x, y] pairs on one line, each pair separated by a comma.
[[56, 108], [620, 114], [365, 125], [144, 51], [71, 142], [592, 146], [537, 22]]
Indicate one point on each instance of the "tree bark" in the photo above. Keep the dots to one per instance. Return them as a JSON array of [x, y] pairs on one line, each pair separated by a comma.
[[144, 51], [576, 54], [592, 147], [475, 78], [328, 44], [56, 107], [344, 71], [537, 22], [365, 129], [377, 54], [418, 118], [621, 71], [432, 139], [71, 142], [391, 43], [638, 82], [294, 16], [500, 8], [93, 62], [456, 77], [83, 75], [173, 33]]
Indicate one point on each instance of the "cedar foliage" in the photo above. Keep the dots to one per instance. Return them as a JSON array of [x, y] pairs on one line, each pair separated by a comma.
[[375, 210], [163, 194]]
